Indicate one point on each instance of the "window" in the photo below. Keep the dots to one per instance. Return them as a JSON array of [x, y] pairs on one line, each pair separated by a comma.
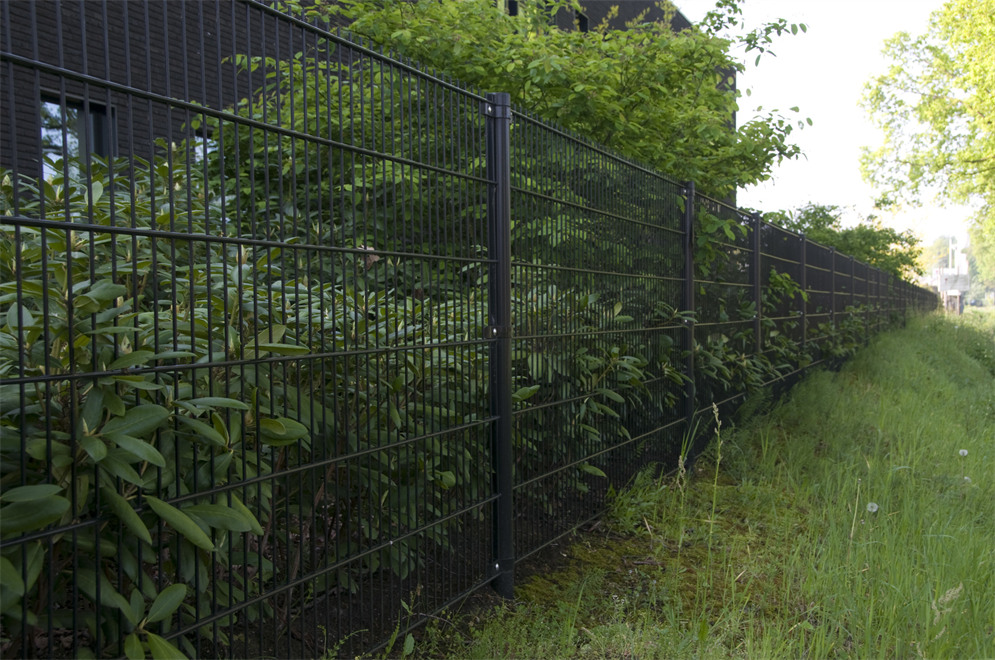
[[75, 128], [582, 23]]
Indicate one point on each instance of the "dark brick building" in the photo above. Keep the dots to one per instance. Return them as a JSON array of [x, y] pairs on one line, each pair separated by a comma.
[[594, 12], [96, 75], [109, 76]]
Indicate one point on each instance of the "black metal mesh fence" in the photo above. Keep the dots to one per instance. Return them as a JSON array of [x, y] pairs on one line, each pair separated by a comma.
[[258, 396]]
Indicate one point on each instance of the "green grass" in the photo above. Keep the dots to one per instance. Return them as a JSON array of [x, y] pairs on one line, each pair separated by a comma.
[[845, 523]]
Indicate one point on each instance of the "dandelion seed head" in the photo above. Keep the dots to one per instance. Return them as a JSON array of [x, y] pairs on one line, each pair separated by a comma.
[[872, 507], [963, 452]]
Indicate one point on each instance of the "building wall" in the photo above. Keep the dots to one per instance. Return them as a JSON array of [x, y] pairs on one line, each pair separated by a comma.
[[629, 10], [137, 58], [160, 50]]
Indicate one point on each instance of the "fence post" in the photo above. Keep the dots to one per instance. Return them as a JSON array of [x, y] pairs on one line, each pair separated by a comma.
[[497, 112], [804, 287], [757, 289], [688, 304]]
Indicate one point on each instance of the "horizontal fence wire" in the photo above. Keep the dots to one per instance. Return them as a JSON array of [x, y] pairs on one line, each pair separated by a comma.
[[248, 288]]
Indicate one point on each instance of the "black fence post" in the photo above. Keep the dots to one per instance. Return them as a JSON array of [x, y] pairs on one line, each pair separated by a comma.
[[757, 281], [497, 110], [688, 305]]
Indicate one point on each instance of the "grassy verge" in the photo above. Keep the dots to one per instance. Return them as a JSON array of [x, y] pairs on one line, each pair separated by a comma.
[[857, 519]]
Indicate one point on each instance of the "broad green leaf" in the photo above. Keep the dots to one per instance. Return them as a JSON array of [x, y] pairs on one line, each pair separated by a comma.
[[282, 349], [31, 515], [273, 335], [94, 446], [447, 478], [138, 382], [106, 290], [137, 599], [26, 319], [140, 448], [163, 650], [10, 578], [35, 562], [167, 602], [395, 417], [86, 578], [524, 393], [130, 360], [96, 191], [133, 648], [120, 469], [203, 430], [238, 505], [138, 421], [279, 431], [218, 402], [172, 355], [219, 425], [181, 522], [590, 469], [93, 408], [219, 516], [614, 396], [123, 510], [28, 493]]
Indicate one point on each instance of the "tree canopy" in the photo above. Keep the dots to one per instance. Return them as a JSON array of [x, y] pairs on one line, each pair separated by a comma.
[[936, 105], [665, 99], [869, 241]]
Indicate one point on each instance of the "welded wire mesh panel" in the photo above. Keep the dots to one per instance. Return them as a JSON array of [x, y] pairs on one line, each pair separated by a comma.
[[819, 282], [861, 287], [597, 261], [781, 295], [844, 288], [726, 306], [244, 405]]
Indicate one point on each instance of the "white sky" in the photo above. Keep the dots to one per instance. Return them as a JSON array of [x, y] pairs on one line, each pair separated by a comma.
[[823, 72]]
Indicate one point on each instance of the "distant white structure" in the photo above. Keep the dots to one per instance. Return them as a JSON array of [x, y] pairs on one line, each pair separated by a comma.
[[953, 281]]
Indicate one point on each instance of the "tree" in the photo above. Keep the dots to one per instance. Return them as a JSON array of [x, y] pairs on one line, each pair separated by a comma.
[[935, 105], [981, 256], [871, 242], [937, 254], [662, 98]]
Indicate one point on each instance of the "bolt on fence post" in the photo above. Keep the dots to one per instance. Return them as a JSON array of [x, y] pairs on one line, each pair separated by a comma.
[[497, 113], [757, 281], [688, 304]]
